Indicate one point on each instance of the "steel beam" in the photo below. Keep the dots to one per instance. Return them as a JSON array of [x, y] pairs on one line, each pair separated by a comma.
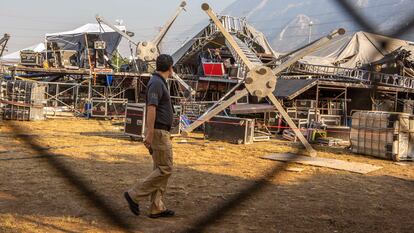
[[224, 97], [183, 83], [292, 125], [307, 50], [3, 43], [215, 111], [157, 40], [100, 19]]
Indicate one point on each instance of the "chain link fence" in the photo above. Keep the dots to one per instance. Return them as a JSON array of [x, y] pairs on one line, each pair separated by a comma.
[[111, 213]]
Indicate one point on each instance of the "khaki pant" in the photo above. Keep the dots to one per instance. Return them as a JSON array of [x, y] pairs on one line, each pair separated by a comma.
[[155, 184]]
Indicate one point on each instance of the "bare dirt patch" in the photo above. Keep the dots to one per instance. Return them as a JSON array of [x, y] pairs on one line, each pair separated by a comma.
[[36, 198]]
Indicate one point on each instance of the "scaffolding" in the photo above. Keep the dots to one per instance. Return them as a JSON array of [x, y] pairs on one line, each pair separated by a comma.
[[22, 100], [83, 92]]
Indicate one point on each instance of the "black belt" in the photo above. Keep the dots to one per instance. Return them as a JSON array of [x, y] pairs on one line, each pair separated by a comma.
[[162, 126]]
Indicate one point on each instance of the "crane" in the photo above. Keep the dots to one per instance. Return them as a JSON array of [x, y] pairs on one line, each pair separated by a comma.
[[260, 80], [148, 51], [3, 43]]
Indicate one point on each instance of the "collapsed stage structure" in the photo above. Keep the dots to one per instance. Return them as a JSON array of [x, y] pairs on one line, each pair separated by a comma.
[[319, 86], [360, 62], [348, 73], [351, 73], [79, 72], [76, 70], [212, 68]]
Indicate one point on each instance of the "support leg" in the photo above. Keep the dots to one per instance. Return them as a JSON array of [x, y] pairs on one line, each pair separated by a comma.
[[292, 125], [208, 115]]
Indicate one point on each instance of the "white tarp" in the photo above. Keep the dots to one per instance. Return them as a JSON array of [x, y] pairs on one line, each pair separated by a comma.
[[75, 39], [356, 50], [14, 58]]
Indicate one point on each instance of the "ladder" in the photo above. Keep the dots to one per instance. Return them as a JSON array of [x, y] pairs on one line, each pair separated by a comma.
[[233, 25], [247, 51]]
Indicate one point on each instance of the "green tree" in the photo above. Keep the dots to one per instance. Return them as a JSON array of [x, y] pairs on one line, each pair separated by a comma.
[[117, 61]]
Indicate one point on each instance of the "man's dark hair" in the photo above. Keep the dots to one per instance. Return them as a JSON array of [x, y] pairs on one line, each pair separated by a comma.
[[164, 62]]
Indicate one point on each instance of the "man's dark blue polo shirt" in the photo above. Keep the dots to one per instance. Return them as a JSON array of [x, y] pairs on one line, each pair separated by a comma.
[[159, 96]]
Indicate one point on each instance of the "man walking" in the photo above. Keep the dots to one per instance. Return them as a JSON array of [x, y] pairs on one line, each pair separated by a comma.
[[159, 119]]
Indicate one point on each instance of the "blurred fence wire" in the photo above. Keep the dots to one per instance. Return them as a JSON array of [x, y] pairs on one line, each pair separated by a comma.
[[112, 214]]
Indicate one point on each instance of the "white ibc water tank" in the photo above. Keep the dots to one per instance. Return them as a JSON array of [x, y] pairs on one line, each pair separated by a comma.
[[383, 134]]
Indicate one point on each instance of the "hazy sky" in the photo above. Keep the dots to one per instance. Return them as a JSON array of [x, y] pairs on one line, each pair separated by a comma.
[[28, 20]]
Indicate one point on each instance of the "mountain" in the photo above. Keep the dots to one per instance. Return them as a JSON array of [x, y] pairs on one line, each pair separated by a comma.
[[286, 23], [293, 32]]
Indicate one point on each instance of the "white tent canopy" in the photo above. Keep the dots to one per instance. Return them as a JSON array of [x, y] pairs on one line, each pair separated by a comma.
[[14, 58], [75, 39], [356, 50], [90, 28]]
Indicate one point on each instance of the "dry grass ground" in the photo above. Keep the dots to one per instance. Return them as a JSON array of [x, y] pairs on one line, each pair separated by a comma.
[[36, 198]]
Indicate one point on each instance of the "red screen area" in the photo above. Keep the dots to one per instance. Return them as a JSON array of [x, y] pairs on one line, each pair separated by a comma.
[[213, 69]]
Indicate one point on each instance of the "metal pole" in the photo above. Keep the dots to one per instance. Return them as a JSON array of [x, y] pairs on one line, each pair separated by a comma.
[[136, 92], [208, 115], [307, 50], [57, 95], [117, 60], [317, 102], [396, 101], [346, 106], [157, 40], [292, 125], [89, 101], [100, 19], [224, 97], [310, 31]]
